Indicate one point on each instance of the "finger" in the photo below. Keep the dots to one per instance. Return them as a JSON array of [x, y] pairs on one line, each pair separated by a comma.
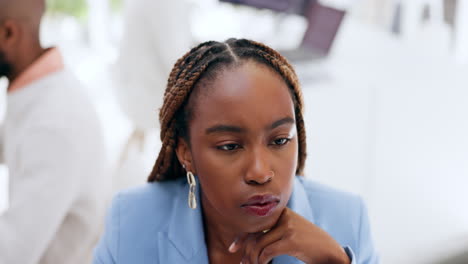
[[255, 245], [250, 243], [246, 258], [278, 248]]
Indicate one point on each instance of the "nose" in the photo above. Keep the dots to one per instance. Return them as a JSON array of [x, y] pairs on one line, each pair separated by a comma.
[[259, 171]]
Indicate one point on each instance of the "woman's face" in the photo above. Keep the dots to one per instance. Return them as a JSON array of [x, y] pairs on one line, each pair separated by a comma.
[[243, 147]]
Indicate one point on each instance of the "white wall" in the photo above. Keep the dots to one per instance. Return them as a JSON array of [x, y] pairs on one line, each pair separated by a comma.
[[388, 120], [422, 159]]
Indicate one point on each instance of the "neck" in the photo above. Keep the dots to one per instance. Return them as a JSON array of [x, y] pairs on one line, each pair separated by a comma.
[[219, 234], [27, 56]]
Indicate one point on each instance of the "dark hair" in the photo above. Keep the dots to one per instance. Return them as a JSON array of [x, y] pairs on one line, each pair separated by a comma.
[[200, 66]]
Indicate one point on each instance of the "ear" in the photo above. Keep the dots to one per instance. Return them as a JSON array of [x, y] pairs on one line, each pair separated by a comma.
[[184, 155], [9, 34]]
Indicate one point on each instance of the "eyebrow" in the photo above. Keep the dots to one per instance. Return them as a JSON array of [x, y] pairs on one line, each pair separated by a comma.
[[224, 128], [286, 120], [236, 129]]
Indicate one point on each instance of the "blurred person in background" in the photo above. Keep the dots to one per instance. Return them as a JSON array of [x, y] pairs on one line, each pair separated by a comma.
[[52, 146], [155, 34]]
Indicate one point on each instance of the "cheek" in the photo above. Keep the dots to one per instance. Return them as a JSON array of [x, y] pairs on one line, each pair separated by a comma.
[[211, 164], [285, 161], [215, 174], [285, 166]]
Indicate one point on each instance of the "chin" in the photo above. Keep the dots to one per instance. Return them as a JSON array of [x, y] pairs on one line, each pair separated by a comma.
[[263, 223]]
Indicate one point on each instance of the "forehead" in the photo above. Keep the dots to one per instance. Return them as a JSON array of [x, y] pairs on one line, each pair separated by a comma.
[[250, 95]]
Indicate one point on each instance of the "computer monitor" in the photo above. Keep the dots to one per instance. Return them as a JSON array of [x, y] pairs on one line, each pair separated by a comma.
[[323, 24], [285, 6]]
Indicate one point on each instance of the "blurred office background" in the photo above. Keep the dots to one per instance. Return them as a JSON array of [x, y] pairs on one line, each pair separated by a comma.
[[386, 105]]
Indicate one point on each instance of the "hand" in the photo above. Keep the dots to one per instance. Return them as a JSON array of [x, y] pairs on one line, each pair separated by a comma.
[[295, 236]]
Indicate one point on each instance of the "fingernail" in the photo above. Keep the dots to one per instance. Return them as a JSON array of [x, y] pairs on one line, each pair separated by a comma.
[[231, 247]]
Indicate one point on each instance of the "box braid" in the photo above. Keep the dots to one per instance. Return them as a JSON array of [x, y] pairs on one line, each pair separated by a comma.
[[199, 66]]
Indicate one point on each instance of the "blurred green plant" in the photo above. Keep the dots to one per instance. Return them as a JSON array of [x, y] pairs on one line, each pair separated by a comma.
[[76, 8], [116, 5]]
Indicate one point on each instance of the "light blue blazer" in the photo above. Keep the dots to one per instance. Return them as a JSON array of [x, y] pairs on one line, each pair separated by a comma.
[[153, 224]]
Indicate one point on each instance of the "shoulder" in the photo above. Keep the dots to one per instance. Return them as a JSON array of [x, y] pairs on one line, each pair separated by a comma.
[[344, 216], [148, 204], [149, 193], [60, 105], [136, 217], [326, 198], [60, 90], [63, 90], [56, 111]]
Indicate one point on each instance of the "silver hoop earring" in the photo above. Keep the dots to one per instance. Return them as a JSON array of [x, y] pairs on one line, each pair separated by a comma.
[[192, 200]]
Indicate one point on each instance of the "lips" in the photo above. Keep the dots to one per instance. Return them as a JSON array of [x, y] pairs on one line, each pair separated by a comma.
[[261, 205]]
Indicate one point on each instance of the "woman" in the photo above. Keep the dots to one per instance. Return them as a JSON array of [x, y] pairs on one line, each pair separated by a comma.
[[232, 116]]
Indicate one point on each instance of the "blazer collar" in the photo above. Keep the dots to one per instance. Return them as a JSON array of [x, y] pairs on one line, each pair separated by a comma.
[[186, 231], [299, 201]]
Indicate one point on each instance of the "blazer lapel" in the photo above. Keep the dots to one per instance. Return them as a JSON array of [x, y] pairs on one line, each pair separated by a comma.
[[299, 201], [184, 241]]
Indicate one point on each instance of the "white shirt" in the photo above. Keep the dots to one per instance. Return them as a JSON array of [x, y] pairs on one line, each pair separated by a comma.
[[54, 151], [156, 34]]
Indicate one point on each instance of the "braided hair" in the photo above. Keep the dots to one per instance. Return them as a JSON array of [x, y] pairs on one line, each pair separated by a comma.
[[198, 67]]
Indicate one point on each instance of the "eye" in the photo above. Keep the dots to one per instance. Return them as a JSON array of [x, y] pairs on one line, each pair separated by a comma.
[[228, 147], [281, 141]]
